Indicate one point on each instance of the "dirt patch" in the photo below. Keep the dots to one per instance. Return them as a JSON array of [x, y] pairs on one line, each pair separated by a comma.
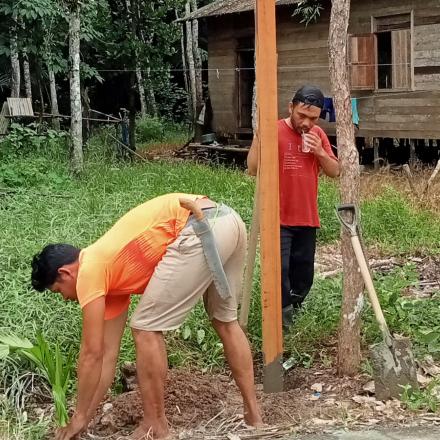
[[209, 406], [329, 263]]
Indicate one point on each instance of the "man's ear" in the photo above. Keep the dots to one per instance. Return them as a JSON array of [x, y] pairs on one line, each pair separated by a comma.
[[64, 271]]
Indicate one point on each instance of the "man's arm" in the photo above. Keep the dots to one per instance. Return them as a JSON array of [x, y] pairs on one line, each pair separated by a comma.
[[113, 331], [329, 164], [252, 158], [89, 367]]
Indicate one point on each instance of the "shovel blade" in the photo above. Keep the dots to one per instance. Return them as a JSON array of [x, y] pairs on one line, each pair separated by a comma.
[[393, 368]]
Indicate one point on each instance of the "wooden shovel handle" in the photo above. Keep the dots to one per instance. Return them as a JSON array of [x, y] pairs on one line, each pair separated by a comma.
[[191, 206]]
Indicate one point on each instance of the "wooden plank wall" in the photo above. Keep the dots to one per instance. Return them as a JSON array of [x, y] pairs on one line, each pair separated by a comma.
[[224, 33], [303, 58], [411, 114]]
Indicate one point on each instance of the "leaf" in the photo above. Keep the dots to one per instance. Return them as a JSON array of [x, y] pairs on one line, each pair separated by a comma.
[[186, 334], [4, 351], [15, 342], [200, 336]]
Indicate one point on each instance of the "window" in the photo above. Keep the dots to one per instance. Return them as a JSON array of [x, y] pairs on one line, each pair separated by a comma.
[[382, 59]]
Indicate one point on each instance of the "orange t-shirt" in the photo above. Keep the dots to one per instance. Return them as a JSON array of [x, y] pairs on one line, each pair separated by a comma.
[[123, 260]]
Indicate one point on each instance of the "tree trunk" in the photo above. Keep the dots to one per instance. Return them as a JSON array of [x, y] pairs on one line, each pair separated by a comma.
[[15, 62], [85, 113], [53, 98], [27, 75], [191, 66], [184, 67], [152, 106], [198, 71], [75, 89], [132, 113], [140, 85], [349, 332]]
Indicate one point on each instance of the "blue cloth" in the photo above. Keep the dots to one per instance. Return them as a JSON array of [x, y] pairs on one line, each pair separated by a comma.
[[354, 111], [328, 110]]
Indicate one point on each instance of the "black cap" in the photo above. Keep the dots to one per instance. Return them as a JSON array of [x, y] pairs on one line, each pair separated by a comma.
[[309, 95]]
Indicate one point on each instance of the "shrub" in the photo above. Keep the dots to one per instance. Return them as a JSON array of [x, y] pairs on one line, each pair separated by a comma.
[[149, 129]]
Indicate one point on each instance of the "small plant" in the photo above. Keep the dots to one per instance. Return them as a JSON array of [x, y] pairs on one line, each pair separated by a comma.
[[427, 399], [50, 364]]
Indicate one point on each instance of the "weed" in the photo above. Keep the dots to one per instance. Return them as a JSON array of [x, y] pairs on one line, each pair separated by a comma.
[[427, 399], [50, 364]]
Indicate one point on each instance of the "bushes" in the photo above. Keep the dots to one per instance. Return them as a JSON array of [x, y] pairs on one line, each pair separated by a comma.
[[149, 129], [154, 130], [33, 138]]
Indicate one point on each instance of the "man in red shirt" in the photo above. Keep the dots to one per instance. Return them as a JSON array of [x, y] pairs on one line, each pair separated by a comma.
[[304, 150]]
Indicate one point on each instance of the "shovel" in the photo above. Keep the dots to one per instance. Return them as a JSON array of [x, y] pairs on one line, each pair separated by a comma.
[[393, 362]]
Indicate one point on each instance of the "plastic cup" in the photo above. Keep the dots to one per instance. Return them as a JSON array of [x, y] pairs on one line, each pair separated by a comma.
[[305, 148]]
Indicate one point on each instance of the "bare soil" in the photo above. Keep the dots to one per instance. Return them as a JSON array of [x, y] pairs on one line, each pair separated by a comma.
[[209, 406]]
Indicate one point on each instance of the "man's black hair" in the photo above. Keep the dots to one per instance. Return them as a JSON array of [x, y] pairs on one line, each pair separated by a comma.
[[45, 264], [309, 95]]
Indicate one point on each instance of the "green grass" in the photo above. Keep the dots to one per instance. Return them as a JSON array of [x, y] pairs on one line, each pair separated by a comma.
[[49, 206]]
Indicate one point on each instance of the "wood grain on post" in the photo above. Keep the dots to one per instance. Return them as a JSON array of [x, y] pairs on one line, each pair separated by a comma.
[[266, 77]]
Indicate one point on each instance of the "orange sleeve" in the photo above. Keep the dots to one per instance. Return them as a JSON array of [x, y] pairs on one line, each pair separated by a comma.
[[115, 305], [91, 282]]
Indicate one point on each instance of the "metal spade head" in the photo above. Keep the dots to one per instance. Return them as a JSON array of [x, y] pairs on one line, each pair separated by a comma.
[[393, 367]]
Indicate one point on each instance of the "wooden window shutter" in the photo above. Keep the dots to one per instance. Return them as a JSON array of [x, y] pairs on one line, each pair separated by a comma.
[[401, 59], [362, 61]]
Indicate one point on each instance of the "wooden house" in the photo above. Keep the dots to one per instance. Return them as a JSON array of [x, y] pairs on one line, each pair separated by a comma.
[[393, 58]]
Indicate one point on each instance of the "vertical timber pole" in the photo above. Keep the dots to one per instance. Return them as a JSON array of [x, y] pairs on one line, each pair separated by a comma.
[[267, 104]]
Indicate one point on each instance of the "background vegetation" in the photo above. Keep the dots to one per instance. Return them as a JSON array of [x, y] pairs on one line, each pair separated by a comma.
[[41, 203]]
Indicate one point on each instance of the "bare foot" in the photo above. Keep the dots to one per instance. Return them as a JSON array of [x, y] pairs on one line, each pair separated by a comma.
[[253, 418], [142, 433]]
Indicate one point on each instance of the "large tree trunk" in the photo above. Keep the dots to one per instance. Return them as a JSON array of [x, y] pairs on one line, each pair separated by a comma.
[[27, 75], [15, 62], [191, 66], [353, 297], [75, 89], [198, 71], [53, 98]]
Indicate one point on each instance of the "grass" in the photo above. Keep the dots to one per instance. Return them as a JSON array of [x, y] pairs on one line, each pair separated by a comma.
[[48, 206]]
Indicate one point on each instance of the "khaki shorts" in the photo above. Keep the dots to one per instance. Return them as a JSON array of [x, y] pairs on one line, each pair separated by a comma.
[[182, 277]]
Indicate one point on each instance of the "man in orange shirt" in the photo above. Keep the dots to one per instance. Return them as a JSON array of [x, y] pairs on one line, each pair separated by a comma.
[[152, 250]]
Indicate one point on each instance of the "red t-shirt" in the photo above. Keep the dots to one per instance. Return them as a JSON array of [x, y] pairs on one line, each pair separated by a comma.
[[298, 177]]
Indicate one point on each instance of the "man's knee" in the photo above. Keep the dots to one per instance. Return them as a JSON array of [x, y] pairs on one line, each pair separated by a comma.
[[225, 328], [144, 336]]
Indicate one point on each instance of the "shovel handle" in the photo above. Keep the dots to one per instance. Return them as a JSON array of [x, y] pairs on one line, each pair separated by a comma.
[[365, 271], [351, 226], [191, 206]]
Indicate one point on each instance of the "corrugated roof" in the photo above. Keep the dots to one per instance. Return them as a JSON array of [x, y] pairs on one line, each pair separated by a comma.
[[223, 7]]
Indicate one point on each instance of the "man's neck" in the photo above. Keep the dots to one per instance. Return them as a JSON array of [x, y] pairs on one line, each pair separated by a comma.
[[289, 123]]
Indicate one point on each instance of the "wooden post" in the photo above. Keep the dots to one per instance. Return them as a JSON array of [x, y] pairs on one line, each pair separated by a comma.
[[376, 153], [266, 75]]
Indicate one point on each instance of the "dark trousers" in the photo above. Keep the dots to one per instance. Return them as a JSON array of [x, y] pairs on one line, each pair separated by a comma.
[[297, 263]]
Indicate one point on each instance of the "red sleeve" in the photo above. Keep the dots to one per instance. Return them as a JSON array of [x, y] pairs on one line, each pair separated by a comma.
[[326, 144]]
